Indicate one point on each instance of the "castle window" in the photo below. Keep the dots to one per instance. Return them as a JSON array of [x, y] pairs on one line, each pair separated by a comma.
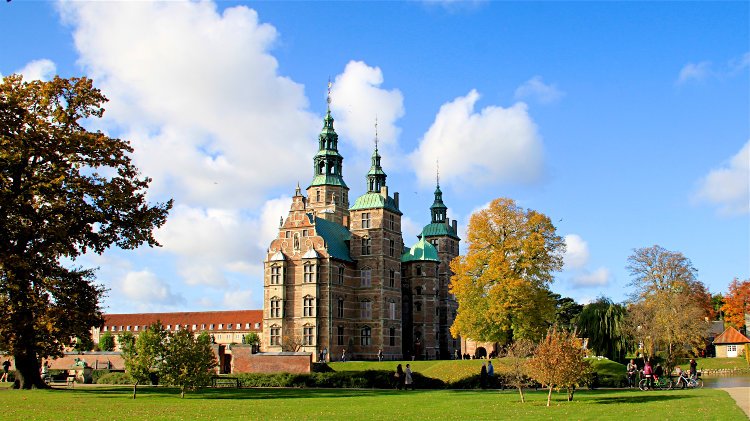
[[221, 326], [392, 336], [275, 335], [287, 234], [340, 335], [257, 325], [341, 275], [392, 278], [366, 220], [435, 244], [212, 325], [229, 326], [317, 195], [307, 335], [366, 246], [391, 247], [366, 277], [366, 336], [391, 222], [418, 290], [418, 306], [309, 276], [308, 307], [304, 233], [366, 309], [392, 310], [275, 274], [453, 246], [419, 270], [340, 308], [275, 308]]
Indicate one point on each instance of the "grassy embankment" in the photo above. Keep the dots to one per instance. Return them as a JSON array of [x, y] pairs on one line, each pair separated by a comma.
[[115, 403]]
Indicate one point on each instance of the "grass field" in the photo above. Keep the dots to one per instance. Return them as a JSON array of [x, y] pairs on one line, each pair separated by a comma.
[[115, 403]]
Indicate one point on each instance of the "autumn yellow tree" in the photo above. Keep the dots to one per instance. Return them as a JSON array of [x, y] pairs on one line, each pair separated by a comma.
[[558, 362], [737, 303], [513, 369], [501, 284]]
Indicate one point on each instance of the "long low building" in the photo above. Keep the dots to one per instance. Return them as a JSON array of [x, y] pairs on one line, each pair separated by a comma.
[[225, 327]]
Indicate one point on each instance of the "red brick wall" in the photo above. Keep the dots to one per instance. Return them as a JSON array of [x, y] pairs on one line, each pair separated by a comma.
[[243, 361], [93, 359]]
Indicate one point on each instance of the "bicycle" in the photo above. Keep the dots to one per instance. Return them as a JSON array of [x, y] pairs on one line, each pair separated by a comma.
[[663, 383], [689, 381]]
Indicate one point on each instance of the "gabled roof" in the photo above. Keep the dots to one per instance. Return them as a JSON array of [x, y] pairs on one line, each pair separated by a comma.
[[375, 201], [336, 237], [731, 336]]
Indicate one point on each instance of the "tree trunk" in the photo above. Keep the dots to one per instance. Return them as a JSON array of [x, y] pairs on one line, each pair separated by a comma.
[[182, 392], [520, 391], [571, 391], [549, 395], [135, 386], [27, 372]]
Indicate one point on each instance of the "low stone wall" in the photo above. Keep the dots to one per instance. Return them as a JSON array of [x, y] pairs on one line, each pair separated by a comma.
[[244, 361], [95, 360]]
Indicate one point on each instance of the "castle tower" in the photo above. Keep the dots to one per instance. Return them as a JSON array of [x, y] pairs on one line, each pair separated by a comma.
[[376, 247]]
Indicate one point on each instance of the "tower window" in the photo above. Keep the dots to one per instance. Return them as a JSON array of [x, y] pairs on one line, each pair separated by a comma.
[[366, 310], [392, 336], [341, 275], [340, 308], [392, 310], [366, 336], [366, 278], [309, 275], [366, 246], [275, 274], [419, 270], [317, 195], [391, 247], [366, 220], [391, 278], [275, 309]]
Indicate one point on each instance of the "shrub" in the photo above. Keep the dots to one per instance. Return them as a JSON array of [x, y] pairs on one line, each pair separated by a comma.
[[96, 374], [117, 377], [377, 379]]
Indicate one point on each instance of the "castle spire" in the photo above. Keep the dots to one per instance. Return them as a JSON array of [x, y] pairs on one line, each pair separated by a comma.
[[328, 163], [376, 176], [438, 210]]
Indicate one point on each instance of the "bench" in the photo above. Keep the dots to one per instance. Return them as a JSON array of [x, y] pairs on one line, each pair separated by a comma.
[[68, 381], [226, 382]]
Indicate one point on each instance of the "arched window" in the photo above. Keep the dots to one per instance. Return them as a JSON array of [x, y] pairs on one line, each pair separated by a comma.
[[340, 307], [366, 335], [366, 277], [365, 309]]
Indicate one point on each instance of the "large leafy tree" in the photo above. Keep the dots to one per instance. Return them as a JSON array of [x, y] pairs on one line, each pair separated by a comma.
[[566, 311], [143, 356], [189, 361], [64, 191], [603, 324], [737, 303], [502, 283], [670, 307], [558, 362]]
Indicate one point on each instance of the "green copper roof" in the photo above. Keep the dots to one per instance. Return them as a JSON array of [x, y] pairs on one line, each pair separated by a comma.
[[439, 229], [421, 251], [375, 201], [328, 180], [336, 237]]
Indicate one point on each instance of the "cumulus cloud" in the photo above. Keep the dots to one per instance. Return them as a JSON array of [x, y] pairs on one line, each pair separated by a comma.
[[42, 69], [694, 72], [576, 253], [357, 99], [728, 187], [238, 299], [495, 144], [585, 278], [202, 102], [537, 90], [145, 287]]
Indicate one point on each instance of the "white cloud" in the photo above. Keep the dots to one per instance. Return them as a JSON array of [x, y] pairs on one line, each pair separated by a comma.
[[202, 102], [273, 210], [694, 71], [585, 278], [495, 144], [728, 187], [238, 299], [42, 69], [146, 288], [576, 253], [536, 89], [357, 99]]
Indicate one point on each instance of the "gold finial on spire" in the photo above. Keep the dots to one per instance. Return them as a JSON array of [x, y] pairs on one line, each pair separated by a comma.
[[376, 133], [437, 163]]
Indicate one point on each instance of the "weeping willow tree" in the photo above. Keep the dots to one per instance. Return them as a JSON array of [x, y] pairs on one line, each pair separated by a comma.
[[602, 322]]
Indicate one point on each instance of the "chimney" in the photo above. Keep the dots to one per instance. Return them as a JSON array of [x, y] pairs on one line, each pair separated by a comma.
[[384, 191], [455, 226], [395, 198]]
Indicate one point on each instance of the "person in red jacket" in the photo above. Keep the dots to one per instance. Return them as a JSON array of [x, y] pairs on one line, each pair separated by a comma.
[[648, 372]]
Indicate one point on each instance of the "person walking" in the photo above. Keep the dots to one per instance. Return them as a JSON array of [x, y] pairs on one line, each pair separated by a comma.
[[408, 380], [632, 369], [648, 372], [483, 376], [380, 355], [693, 369], [6, 368], [400, 377]]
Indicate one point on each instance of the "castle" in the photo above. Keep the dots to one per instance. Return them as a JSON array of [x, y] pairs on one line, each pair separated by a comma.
[[338, 280]]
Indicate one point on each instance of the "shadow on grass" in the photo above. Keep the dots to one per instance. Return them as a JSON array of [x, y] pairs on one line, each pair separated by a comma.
[[225, 393], [635, 399]]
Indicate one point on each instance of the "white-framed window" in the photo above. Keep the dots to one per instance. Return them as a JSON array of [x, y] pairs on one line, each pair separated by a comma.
[[257, 325], [203, 326], [366, 335], [195, 327], [169, 327], [308, 335], [366, 309], [275, 308], [211, 327], [275, 274], [275, 335], [309, 276], [365, 219], [247, 326], [136, 328], [366, 277], [229, 326], [128, 328], [221, 326], [309, 306]]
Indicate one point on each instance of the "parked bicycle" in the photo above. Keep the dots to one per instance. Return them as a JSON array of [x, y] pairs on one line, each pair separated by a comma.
[[689, 381], [663, 383]]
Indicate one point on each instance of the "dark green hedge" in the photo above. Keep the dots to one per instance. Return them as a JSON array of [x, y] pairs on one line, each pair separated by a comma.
[[374, 379]]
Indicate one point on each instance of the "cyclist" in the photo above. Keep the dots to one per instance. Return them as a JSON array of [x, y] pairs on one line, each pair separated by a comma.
[[658, 372], [648, 373], [693, 369], [680, 379]]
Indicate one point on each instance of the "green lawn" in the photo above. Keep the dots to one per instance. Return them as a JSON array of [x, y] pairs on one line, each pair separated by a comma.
[[717, 363], [114, 403]]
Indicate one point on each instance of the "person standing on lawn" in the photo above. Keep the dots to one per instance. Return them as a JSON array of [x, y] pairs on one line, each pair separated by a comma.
[[408, 380]]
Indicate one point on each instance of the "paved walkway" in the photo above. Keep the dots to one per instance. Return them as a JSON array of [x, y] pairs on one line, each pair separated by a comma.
[[741, 395]]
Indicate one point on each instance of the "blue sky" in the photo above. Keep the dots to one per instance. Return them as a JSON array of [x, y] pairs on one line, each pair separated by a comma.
[[626, 123]]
